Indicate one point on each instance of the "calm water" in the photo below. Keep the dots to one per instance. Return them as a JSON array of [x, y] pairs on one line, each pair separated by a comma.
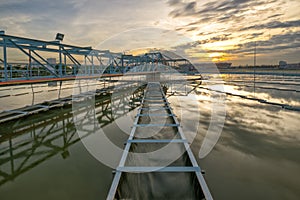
[[256, 157]]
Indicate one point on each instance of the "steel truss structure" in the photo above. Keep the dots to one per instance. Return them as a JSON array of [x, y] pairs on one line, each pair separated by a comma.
[[72, 60]]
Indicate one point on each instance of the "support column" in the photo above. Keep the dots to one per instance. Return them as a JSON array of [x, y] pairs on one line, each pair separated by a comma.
[[60, 62], [65, 63], [29, 71], [5, 59], [93, 67], [85, 67]]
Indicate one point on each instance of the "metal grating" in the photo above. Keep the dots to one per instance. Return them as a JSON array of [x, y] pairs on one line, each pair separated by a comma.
[[182, 140]]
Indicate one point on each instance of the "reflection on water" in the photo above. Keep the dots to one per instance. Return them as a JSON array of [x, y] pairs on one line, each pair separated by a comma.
[[256, 157], [44, 153], [23, 95], [30, 94], [278, 89]]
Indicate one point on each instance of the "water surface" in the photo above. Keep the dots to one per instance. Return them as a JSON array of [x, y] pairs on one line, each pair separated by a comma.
[[256, 157]]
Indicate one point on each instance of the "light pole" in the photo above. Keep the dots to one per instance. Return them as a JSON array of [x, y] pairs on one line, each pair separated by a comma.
[[254, 67]]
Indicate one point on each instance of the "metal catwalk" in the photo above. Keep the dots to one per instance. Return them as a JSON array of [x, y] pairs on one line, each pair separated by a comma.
[[157, 162]]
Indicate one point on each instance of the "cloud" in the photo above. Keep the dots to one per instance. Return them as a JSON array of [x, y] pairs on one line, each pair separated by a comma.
[[190, 7], [256, 34], [222, 17], [214, 7], [276, 15], [269, 49], [278, 47], [36, 19], [218, 38], [88, 22], [281, 41], [235, 11], [273, 25], [288, 41], [84, 22], [174, 2], [245, 21]]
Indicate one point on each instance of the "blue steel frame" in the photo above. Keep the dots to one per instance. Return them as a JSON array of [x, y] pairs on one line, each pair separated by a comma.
[[116, 63]]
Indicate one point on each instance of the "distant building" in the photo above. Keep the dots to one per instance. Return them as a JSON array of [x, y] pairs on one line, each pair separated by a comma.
[[35, 64], [285, 65], [294, 66], [282, 64], [222, 65], [51, 61]]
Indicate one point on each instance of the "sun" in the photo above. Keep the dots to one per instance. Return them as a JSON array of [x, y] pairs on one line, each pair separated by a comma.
[[217, 57]]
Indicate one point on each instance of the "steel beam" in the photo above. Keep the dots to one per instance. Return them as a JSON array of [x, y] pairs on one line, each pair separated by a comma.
[[21, 49], [139, 169], [5, 58]]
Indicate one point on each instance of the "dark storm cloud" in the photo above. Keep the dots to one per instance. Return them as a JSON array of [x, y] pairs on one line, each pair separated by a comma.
[[273, 24]]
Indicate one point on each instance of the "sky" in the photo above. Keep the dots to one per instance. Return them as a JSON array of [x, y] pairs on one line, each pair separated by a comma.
[[215, 30]]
